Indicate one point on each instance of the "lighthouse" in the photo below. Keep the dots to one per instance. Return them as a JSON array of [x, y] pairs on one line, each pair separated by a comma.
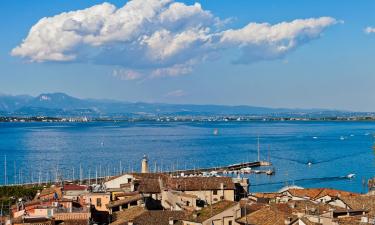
[[144, 164]]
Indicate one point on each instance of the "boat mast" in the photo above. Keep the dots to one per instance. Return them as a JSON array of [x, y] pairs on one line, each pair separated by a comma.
[[96, 175], [258, 150], [5, 169]]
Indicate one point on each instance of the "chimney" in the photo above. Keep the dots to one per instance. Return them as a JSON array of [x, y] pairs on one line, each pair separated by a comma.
[[221, 186], [288, 220]]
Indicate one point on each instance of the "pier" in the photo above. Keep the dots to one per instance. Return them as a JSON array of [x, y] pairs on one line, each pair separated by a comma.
[[234, 168]]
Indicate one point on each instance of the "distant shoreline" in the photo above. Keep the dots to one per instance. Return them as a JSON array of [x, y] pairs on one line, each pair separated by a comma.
[[172, 119]]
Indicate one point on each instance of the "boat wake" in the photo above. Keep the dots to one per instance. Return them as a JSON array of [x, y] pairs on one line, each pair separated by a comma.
[[312, 162]]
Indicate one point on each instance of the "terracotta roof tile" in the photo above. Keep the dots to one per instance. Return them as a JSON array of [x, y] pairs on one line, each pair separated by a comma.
[[268, 215], [200, 183], [122, 217], [361, 202], [315, 193], [124, 201], [74, 187], [209, 211], [159, 217], [149, 185]]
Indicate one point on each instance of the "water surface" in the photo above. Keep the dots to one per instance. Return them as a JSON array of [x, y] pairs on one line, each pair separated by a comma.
[[42, 150]]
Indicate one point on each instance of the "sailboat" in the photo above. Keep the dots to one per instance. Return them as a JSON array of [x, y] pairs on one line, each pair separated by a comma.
[[216, 131]]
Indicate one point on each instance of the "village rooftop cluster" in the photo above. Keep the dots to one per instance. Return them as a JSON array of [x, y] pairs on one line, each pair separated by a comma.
[[146, 198]]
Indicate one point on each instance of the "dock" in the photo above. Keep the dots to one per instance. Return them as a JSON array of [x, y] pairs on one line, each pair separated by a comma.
[[230, 169]]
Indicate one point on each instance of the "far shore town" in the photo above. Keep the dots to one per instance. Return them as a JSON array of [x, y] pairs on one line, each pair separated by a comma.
[[146, 198]]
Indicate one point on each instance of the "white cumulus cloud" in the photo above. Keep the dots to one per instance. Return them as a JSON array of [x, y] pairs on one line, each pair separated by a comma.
[[369, 30], [158, 37], [127, 74]]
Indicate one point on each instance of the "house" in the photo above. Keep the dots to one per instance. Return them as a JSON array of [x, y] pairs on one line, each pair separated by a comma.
[[74, 191], [220, 213], [49, 193], [270, 215], [210, 190], [318, 194], [127, 215], [270, 197], [33, 221], [118, 181], [125, 203], [177, 200], [142, 216], [365, 203], [99, 200]]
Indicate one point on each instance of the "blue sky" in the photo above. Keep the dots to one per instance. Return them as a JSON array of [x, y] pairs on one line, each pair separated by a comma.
[[332, 67]]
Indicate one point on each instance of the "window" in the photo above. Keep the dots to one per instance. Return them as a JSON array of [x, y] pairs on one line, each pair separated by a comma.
[[230, 222], [129, 180], [214, 192], [99, 202]]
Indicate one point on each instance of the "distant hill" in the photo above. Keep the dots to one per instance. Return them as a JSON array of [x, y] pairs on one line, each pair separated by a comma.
[[63, 105], [9, 103]]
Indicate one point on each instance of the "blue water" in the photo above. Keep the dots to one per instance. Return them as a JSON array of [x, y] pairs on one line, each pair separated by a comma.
[[42, 150]]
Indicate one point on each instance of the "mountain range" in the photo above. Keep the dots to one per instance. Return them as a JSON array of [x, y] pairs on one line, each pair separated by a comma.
[[63, 105]]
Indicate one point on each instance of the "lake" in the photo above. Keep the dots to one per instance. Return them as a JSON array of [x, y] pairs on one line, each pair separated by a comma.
[[36, 151]]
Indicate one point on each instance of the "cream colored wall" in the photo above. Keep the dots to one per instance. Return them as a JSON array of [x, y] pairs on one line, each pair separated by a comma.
[[190, 223], [229, 195], [223, 218], [115, 183], [206, 195], [173, 198], [41, 212], [105, 199]]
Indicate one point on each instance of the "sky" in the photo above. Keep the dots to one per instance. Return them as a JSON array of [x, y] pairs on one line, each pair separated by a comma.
[[273, 53]]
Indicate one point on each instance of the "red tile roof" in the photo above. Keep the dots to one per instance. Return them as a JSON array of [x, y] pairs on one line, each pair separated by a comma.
[[200, 183], [316, 193], [74, 187]]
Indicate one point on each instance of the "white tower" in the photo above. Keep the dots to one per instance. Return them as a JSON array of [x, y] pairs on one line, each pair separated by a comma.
[[144, 164]]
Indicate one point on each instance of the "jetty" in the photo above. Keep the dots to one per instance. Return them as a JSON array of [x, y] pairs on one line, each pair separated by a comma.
[[237, 168]]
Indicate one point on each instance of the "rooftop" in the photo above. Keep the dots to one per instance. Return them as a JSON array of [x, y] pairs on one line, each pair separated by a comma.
[[125, 201], [210, 211], [200, 183], [316, 193], [269, 215]]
